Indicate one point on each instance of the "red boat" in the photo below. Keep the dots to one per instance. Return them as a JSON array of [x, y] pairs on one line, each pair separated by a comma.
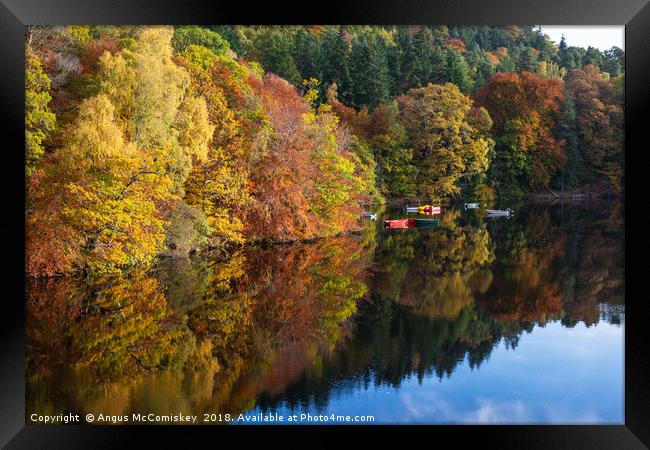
[[400, 223]]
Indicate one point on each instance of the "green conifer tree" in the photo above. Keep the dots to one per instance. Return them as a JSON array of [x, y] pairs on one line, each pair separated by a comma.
[[305, 54], [423, 58], [369, 73], [458, 72], [335, 60]]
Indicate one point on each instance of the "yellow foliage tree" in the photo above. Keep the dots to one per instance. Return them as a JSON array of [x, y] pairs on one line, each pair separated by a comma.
[[114, 192], [194, 129], [448, 145], [217, 184]]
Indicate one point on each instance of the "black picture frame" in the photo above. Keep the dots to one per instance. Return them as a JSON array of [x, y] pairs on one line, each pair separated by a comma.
[[15, 14]]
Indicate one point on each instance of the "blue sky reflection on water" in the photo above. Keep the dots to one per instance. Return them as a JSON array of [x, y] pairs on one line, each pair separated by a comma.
[[555, 375]]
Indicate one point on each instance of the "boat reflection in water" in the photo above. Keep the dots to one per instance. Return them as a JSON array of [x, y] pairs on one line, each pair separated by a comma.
[[499, 213], [411, 223], [470, 321]]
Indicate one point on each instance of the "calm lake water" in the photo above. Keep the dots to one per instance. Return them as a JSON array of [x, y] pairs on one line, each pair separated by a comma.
[[478, 320]]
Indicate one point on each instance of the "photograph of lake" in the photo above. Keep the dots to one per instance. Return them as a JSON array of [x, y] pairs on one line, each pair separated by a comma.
[[324, 224]]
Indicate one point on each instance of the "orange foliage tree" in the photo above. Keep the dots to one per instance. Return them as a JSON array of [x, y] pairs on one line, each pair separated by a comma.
[[94, 50], [599, 120], [524, 108], [305, 181]]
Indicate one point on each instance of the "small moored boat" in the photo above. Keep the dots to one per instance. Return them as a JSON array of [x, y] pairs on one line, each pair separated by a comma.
[[472, 205], [369, 215], [399, 223], [424, 209]]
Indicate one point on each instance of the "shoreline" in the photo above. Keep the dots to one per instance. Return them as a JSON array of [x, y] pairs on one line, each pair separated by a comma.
[[574, 196], [210, 252]]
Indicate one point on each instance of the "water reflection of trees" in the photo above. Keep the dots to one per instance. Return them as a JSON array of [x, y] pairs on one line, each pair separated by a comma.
[[215, 331], [392, 343], [120, 328], [271, 325], [594, 272], [557, 263], [435, 272], [545, 265]]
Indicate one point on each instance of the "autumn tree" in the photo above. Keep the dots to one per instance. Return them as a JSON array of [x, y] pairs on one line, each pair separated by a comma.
[[397, 174], [114, 197], [158, 94], [383, 132], [448, 145], [599, 119], [338, 182], [308, 180], [185, 36], [217, 183], [40, 121], [524, 109], [149, 92], [108, 194], [94, 49], [550, 70], [278, 208]]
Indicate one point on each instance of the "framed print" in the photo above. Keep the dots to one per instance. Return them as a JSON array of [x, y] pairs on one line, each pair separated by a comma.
[[375, 217]]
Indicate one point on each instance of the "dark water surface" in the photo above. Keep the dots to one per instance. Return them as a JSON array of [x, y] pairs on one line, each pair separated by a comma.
[[480, 320]]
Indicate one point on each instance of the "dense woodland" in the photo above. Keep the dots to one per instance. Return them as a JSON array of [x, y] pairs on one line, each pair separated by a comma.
[[142, 141]]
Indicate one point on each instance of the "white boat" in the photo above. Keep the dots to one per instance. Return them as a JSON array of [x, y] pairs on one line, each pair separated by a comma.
[[369, 216], [472, 205], [498, 212]]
